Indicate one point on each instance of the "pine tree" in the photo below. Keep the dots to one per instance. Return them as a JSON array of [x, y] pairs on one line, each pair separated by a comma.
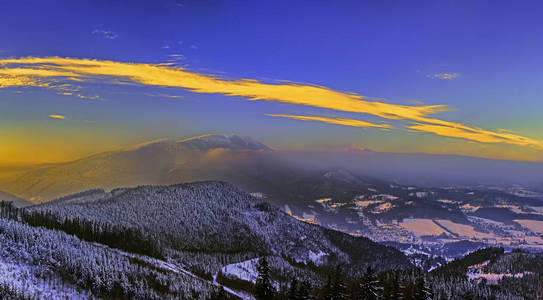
[[263, 286], [369, 287], [339, 289], [304, 291], [220, 295], [327, 292], [293, 290], [422, 291], [396, 289]]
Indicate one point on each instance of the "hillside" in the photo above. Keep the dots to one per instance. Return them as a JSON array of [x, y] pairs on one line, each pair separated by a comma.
[[248, 163], [492, 273], [37, 263], [154, 162], [16, 200], [228, 221]]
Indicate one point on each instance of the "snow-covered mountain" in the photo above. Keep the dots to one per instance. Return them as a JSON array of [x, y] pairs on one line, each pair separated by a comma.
[[16, 200], [168, 242], [218, 217], [255, 167], [165, 161]]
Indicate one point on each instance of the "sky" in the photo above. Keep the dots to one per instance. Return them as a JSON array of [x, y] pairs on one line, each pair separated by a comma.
[[444, 77]]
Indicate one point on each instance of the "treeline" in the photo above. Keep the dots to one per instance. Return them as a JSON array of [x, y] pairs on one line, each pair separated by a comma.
[[386, 285], [12, 293], [127, 239]]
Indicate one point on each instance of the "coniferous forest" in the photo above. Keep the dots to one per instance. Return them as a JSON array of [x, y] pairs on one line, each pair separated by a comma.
[[50, 252]]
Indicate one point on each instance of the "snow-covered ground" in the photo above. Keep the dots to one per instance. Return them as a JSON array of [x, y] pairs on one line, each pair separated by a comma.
[[422, 227], [463, 230], [245, 270], [27, 279], [533, 225]]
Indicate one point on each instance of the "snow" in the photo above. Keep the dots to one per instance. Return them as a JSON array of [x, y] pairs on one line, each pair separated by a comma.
[[535, 226], [24, 278], [259, 195], [365, 203], [537, 209], [514, 208], [422, 227], [245, 270], [447, 201], [463, 230], [385, 197], [317, 258]]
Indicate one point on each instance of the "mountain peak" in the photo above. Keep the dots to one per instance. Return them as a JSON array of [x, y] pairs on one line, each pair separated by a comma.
[[227, 141]]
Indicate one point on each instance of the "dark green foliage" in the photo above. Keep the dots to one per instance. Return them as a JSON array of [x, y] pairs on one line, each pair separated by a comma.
[[459, 267], [422, 291], [264, 289], [369, 287], [235, 283], [128, 239], [11, 293], [219, 295]]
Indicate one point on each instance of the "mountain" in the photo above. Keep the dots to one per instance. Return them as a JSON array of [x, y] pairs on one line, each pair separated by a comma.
[[19, 202], [255, 167], [39, 263], [190, 241], [170, 242], [156, 162], [217, 217]]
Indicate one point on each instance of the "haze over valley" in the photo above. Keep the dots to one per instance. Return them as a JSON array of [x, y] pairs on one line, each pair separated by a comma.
[[271, 150]]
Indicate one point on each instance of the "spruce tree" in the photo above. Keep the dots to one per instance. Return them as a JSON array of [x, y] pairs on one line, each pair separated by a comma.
[[263, 287], [369, 287], [422, 291], [304, 291], [293, 290], [339, 289], [220, 295]]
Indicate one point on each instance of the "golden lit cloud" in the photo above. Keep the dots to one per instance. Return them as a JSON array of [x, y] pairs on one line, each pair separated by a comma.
[[170, 76], [58, 117], [338, 121], [477, 134], [50, 71]]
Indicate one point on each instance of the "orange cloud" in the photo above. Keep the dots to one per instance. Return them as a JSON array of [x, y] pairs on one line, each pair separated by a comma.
[[170, 76], [49, 71], [477, 134], [337, 121], [58, 117]]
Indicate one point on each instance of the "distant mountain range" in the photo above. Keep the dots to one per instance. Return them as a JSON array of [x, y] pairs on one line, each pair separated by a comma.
[[19, 202], [255, 167], [156, 162]]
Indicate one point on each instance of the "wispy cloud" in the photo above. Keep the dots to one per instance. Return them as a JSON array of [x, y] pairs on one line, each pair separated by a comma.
[[444, 76], [106, 34], [163, 95], [476, 134], [53, 70], [81, 96], [337, 121], [57, 117]]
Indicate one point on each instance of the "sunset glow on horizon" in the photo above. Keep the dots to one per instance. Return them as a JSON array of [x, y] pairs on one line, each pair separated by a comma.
[[287, 92]]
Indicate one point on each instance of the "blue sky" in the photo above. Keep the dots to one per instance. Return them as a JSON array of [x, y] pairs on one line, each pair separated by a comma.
[[480, 58]]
